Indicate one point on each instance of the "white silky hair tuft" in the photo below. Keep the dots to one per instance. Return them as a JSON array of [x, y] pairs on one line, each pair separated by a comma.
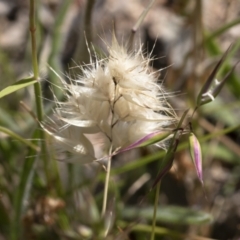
[[115, 102]]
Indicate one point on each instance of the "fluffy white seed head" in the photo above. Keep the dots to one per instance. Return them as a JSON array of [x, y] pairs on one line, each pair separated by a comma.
[[115, 102]]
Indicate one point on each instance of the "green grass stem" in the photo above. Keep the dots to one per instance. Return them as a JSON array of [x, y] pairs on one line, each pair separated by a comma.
[[107, 183], [37, 86], [155, 210]]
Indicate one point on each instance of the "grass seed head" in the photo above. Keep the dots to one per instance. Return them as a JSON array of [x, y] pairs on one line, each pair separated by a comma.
[[115, 102]]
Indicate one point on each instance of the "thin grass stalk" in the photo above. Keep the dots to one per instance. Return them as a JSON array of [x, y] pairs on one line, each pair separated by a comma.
[[107, 183], [82, 53], [88, 20], [155, 210], [37, 86], [32, 29], [138, 23], [56, 174], [57, 45]]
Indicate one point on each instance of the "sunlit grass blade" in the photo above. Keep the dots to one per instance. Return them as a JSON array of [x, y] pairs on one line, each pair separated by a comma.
[[17, 86]]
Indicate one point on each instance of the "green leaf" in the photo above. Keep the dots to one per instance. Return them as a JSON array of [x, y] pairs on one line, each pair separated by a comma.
[[169, 214], [18, 85]]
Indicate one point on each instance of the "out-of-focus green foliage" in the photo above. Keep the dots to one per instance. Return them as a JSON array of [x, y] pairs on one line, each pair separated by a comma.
[[51, 199]]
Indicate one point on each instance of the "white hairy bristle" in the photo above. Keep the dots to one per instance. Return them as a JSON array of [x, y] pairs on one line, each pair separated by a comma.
[[115, 102]]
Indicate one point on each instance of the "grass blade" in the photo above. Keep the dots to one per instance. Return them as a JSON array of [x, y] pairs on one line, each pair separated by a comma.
[[23, 190], [17, 86], [19, 138]]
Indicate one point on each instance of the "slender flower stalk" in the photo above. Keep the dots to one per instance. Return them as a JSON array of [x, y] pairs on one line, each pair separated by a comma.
[[107, 183], [155, 210], [37, 86]]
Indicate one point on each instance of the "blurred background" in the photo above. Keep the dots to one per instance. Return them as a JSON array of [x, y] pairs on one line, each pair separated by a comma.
[[186, 39]]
